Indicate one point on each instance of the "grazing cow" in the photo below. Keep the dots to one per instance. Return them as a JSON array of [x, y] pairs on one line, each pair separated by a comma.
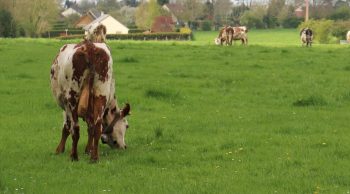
[[306, 36], [240, 33], [87, 66], [225, 36], [229, 34]]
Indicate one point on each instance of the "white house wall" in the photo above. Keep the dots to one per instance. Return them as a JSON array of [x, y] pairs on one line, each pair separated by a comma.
[[114, 27]]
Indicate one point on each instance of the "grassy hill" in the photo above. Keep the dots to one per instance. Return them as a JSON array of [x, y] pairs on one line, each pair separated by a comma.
[[271, 117]]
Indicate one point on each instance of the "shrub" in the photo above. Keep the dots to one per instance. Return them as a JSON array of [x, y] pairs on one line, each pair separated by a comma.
[[185, 30], [7, 24], [340, 29], [342, 13], [206, 25]]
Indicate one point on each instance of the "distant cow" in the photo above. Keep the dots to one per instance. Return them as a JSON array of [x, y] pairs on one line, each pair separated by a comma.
[[348, 36], [224, 37], [240, 33], [306, 37], [87, 66], [229, 34]]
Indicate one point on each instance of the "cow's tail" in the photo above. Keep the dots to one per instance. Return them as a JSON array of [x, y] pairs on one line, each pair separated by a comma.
[[86, 100]]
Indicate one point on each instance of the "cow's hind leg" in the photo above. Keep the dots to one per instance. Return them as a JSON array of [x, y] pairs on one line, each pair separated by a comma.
[[65, 133], [75, 136], [88, 148], [99, 105]]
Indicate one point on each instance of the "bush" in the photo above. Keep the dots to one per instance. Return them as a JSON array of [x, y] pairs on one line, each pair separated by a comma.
[[185, 30], [136, 30], [206, 25], [340, 29], [7, 24], [139, 36], [152, 36], [322, 29], [292, 22], [342, 13]]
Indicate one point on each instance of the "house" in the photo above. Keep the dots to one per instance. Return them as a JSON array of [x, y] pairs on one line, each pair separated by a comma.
[[112, 25], [299, 12], [174, 9], [73, 9], [70, 11], [163, 24], [87, 18]]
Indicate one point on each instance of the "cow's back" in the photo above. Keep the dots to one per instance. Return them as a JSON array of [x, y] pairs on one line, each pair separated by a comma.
[[71, 67]]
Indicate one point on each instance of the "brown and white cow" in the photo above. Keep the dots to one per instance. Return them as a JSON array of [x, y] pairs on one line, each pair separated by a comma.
[[81, 66], [306, 37], [229, 34]]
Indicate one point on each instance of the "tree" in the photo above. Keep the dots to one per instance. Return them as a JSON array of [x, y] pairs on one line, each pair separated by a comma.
[[36, 16], [145, 14], [237, 13], [7, 24], [274, 7], [126, 15], [107, 5], [131, 3], [342, 13], [193, 9], [254, 17], [222, 10], [162, 2], [86, 5]]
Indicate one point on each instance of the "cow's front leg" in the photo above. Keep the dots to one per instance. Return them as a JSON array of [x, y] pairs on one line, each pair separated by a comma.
[[65, 133], [75, 137]]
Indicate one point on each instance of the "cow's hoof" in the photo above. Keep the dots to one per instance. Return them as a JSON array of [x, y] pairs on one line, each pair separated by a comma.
[[74, 157], [87, 151], [59, 150], [93, 160]]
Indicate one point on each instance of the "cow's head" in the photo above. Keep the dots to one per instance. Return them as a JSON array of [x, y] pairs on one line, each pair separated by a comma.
[[97, 34], [115, 125], [217, 41]]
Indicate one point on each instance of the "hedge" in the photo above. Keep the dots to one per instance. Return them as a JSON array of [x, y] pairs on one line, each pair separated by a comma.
[[57, 33], [151, 36], [140, 36]]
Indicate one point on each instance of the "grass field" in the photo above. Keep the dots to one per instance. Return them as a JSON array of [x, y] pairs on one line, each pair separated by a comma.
[[271, 117]]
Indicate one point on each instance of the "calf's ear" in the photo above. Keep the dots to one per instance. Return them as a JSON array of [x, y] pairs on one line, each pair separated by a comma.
[[126, 110]]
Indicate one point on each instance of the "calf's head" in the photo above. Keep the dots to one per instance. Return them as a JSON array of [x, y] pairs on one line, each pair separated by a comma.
[[114, 126]]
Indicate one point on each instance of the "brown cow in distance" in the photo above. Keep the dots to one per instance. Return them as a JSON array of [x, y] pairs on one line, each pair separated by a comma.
[[229, 34], [87, 66]]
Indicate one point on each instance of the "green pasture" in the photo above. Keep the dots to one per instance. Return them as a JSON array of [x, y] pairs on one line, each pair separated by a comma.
[[270, 117]]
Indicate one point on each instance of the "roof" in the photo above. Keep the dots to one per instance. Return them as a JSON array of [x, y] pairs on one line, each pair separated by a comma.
[[94, 13], [96, 22]]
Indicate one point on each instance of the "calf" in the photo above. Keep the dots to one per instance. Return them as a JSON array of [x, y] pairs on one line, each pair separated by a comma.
[[75, 68], [306, 36]]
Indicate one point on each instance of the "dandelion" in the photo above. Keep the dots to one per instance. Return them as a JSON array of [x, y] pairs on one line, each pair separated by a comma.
[[324, 143]]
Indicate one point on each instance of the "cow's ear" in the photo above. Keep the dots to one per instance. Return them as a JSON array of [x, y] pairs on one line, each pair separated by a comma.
[[126, 110]]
